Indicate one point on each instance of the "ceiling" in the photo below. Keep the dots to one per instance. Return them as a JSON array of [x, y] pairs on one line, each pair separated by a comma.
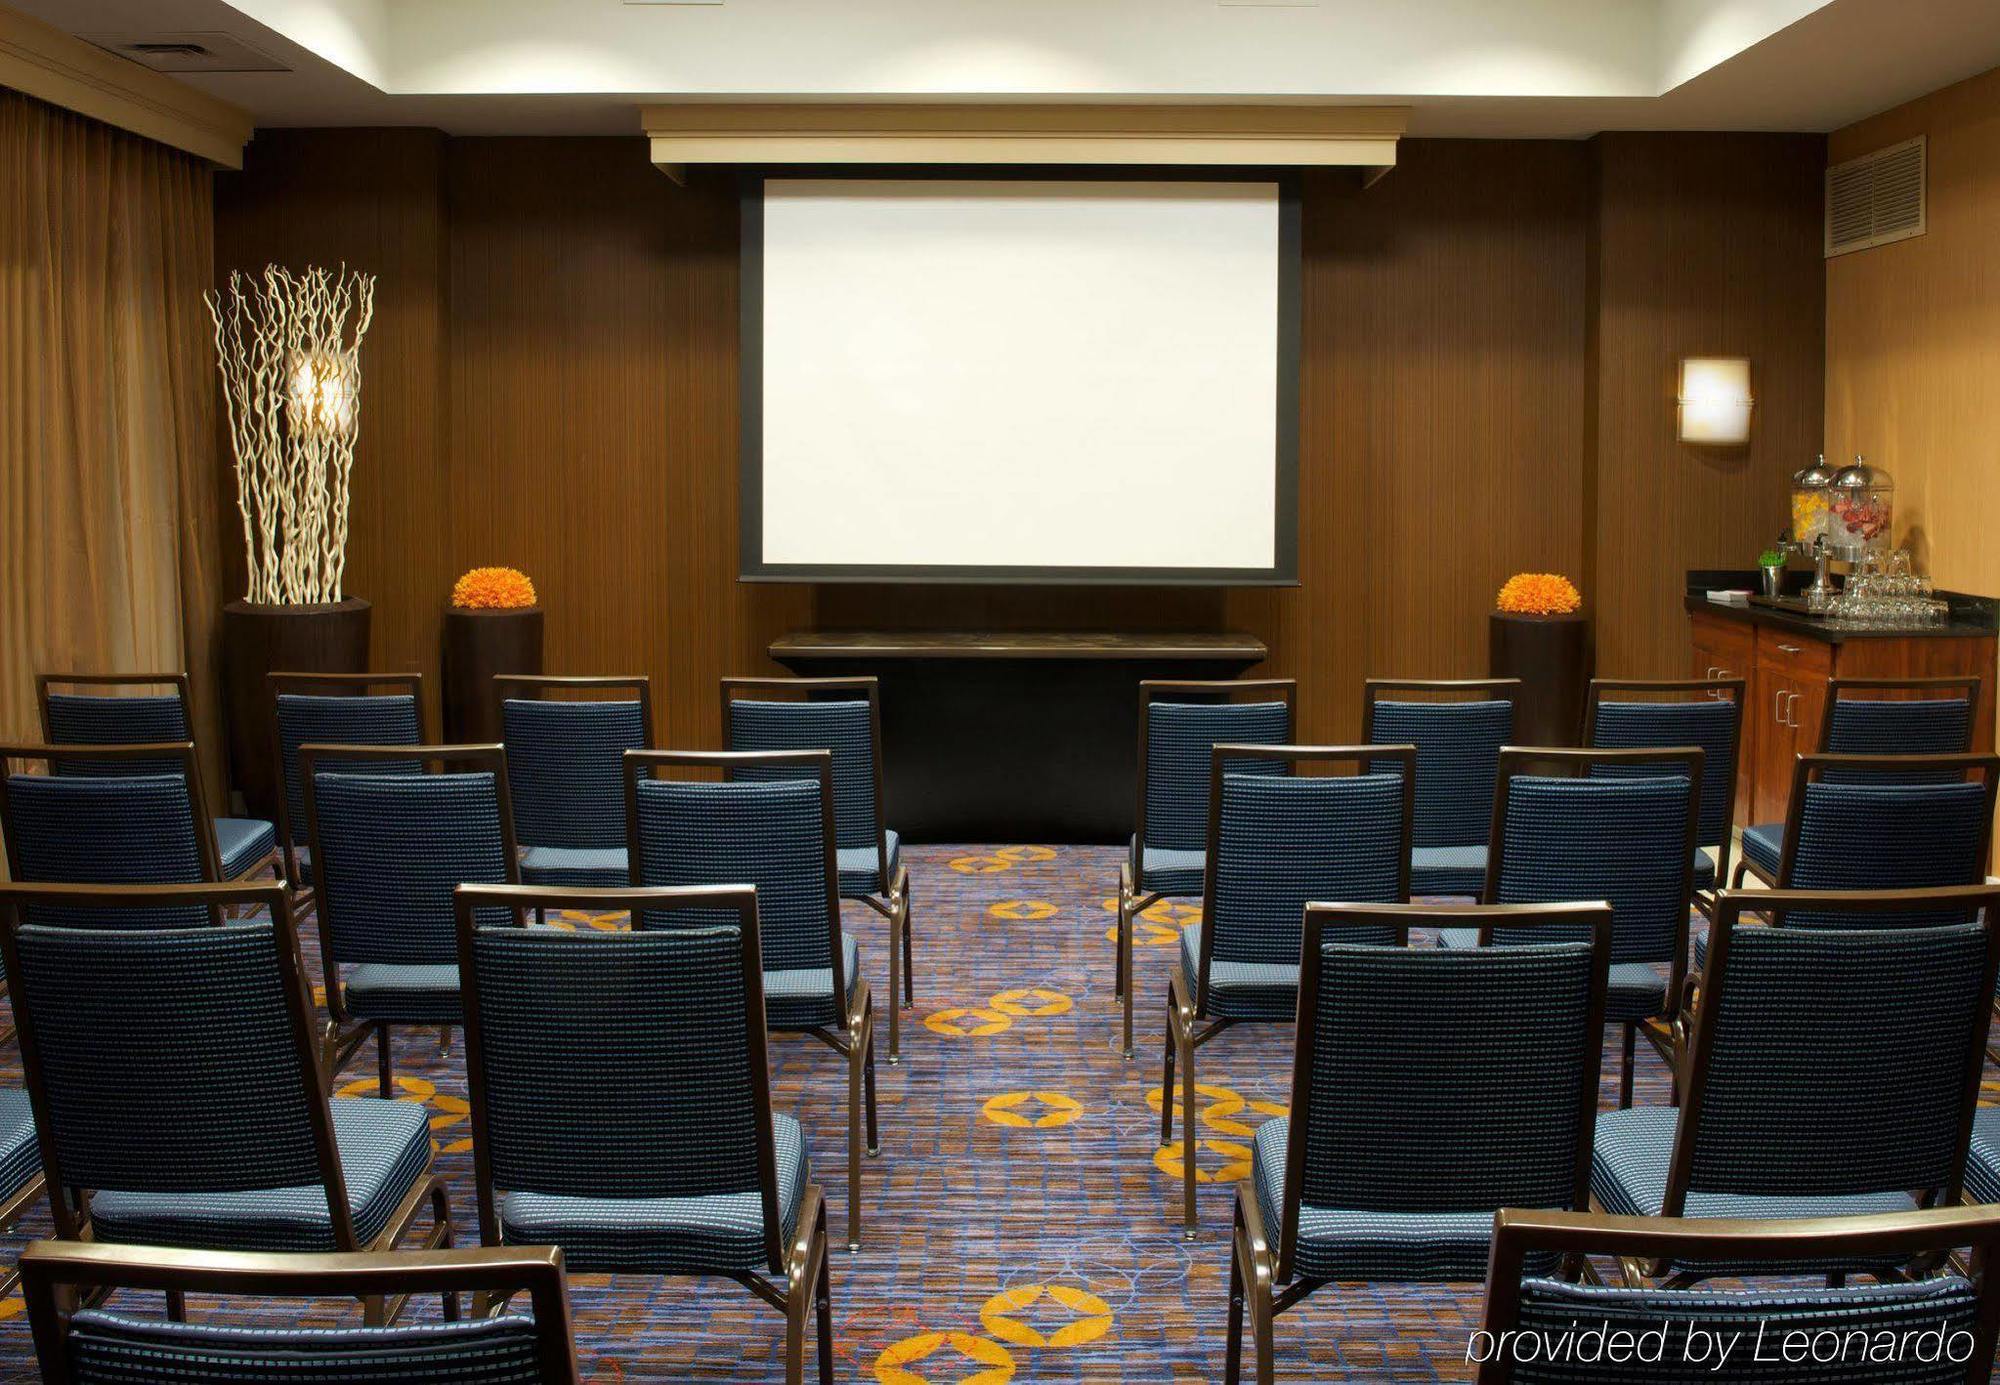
[[1485, 68]]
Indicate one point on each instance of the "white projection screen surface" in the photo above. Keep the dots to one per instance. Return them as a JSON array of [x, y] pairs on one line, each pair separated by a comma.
[[1019, 380]]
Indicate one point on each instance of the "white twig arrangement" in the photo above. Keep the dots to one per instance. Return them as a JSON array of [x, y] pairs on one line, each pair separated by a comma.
[[289, 349]]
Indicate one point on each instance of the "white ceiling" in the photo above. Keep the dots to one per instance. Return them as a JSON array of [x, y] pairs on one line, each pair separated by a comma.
[[1466, 67]]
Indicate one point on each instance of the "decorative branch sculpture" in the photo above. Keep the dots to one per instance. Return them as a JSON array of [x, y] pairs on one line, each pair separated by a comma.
[[289, 350]]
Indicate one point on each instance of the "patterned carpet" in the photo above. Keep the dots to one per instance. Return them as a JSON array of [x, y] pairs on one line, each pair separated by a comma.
[[1021, 1222]]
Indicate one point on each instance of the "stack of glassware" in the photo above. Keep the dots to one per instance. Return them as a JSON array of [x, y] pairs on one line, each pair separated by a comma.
[[1885, 593]]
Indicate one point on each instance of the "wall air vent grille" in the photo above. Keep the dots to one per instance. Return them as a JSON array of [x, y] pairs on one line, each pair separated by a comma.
[[1875, 199]]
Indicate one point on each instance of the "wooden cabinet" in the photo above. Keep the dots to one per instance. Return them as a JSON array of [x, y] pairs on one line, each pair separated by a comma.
[[1786, 669]]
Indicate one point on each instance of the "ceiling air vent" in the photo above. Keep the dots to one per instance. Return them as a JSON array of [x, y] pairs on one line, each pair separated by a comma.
[[1876, 198], [204, 51]]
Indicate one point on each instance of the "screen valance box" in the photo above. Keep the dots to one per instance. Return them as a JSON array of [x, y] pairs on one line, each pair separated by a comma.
[[1028, 377]]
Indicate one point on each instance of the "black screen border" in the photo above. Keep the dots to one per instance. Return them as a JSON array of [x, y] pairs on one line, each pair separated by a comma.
[[750, 381]]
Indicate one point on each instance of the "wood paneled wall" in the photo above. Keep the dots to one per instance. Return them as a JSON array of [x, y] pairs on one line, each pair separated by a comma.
[[1704, 245], [559, 394], [1913, 338]]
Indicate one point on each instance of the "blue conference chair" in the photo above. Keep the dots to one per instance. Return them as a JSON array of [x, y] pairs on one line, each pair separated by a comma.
[[390, 848], [1458, 727], [1527, 1312], [334, 709], [175, 1087], [1631, 714], [1893, 716], [668, 1159], [1178, 723], [96, 1344], [564, 762], [1616, 825], [1831, 1072], [140, 827], [774, 833], [844, 717], [1884, 822], [1429, 1088], [92, 713], [1276, 841]]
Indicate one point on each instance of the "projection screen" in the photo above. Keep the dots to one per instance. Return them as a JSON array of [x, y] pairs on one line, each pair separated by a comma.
[[967, 378]]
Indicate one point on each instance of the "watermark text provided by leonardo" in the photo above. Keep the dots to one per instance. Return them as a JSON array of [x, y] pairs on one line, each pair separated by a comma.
[[1719, 1347]]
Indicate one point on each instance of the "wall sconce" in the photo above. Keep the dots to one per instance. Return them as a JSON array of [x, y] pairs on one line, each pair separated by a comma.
[[1715, 400]]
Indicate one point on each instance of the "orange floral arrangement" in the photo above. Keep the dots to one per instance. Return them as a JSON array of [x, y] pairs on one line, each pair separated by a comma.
[[493, 589], [1539, 594]]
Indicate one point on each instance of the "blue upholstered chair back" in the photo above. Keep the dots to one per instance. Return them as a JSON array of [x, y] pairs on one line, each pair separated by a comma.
[[170, 1057], [1879, 726], [104, 1347], [1879, 836], [1283, 841], [320, 719], [1551, 1307], [564, 761], [1179, 736], [1447, 1079], [137, 829], [1713, 724], [1458, 756], [391, 848], [1625, 841], [771, 835], [1839, 1060], [99, 719], [844, 728], [618, 1065]]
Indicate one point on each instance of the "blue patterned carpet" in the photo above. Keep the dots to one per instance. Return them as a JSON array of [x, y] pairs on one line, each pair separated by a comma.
[[1021, 1223]]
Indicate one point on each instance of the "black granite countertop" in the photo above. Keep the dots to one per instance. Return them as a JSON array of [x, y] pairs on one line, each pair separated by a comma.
[[1972, 617]]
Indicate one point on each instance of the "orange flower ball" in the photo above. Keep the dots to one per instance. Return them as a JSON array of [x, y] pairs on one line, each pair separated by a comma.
[[493, 589], [1539, 594]]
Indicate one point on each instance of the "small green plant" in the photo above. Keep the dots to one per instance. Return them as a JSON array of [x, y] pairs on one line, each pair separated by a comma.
[[1771, 557]]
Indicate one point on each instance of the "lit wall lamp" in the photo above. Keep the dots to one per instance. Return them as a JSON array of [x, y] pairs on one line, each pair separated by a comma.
[[1715, 400]]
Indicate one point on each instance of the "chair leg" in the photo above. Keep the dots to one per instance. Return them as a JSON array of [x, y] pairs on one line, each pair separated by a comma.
[[1167, 1077], [177, 1306], [795, 1337], [824, 1300], [1625, 1071], [895, 986], [868, 1097], [1232, 1361], [1122, 957], [854, 1081], [385, 1071], [1185, 1034], [909, 965]]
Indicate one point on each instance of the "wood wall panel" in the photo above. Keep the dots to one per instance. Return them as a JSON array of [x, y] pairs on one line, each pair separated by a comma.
[[1704, 245], [1913, 338], [565, 401], [1442, 431]]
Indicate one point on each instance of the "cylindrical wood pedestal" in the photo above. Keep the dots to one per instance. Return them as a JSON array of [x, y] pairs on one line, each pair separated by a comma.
[[1551, 656], [258, 640], [477, 645]]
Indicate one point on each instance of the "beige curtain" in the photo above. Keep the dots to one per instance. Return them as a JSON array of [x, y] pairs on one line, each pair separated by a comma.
[[109, 560]]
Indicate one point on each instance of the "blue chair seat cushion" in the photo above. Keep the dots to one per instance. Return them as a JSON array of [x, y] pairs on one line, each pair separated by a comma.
[[1170, 873], [582, 867], [1704, 868], [302, 853], [405, 993], [803, 998], [1453, 870], [857, 865], [20, 1155], [385, 1149], [721, 1232], [1763, 844], [1242, 990], [1982, 1162], [242, 842], [1351, 1244], [1633, 991], [1628, 1177], [110, 1346]]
